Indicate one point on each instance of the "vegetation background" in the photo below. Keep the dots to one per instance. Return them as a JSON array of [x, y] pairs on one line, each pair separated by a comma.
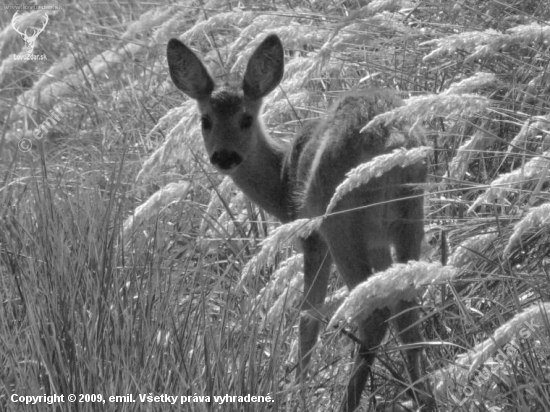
[[121, 251]]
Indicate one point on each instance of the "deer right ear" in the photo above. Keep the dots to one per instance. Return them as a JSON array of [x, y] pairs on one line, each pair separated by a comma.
[[187, 71], [265, 68]]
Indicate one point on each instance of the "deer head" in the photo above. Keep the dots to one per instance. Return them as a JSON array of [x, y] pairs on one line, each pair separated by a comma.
[[231, 123]]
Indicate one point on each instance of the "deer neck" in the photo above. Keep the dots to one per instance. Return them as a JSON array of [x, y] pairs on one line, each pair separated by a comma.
[[262, 176]]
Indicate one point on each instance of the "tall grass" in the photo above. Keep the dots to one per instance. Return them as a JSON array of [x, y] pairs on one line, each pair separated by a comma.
[[128, 266]]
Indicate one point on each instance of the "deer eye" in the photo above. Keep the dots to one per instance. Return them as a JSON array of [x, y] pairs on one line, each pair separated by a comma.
[[206, 123], [246, 122]]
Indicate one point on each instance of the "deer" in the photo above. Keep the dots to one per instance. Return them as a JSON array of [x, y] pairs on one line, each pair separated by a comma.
[[29, 40], [297, 179]]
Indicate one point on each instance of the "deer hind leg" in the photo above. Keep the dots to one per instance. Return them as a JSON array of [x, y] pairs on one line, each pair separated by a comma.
[[407, 230], [371, 333], [406, 323], [407, 234], [317, 262], [359, 245]]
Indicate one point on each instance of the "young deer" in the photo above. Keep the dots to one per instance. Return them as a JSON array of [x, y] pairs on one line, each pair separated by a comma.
[[299, 180]]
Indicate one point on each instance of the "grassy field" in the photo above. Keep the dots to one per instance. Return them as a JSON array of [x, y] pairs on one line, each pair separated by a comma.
[[129, 267]]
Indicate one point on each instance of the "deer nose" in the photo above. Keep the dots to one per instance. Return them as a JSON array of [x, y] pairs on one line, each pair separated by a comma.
[[226, 159]]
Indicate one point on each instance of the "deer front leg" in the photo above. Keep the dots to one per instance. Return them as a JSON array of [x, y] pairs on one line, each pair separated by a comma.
[[317, 261]]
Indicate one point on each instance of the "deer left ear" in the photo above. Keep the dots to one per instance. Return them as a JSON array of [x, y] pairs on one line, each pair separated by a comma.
[[187, 71], [265, 68]]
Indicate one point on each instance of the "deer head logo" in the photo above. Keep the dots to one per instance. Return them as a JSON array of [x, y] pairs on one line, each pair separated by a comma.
[[29, 40]]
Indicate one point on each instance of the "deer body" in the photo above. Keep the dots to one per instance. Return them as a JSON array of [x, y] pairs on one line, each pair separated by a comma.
[[298, 180]]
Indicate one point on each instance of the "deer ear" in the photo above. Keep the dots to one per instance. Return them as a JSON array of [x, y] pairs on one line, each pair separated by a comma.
[[265, 68], [187, 71]]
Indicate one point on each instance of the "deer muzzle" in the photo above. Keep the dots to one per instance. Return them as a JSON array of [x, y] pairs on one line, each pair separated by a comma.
[[226, 160]]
